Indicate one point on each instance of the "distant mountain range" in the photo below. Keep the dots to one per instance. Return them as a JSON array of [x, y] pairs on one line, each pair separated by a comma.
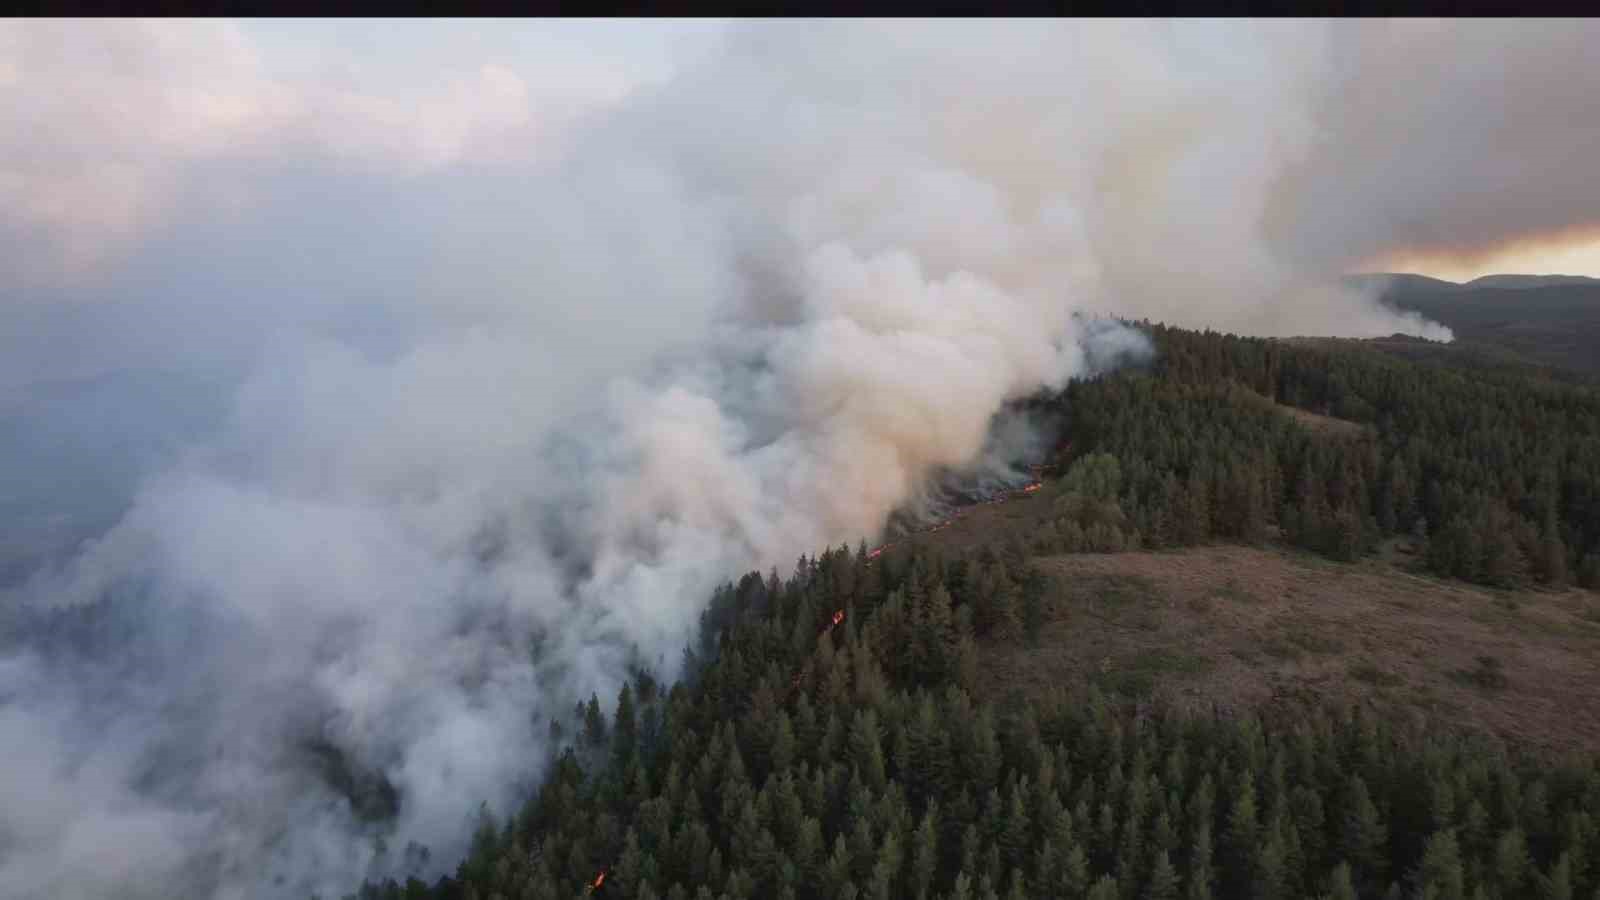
[[1529, 281], [1543, 320], [1405, 281]]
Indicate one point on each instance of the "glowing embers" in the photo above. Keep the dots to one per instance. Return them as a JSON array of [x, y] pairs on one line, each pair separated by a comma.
[[800, 676]]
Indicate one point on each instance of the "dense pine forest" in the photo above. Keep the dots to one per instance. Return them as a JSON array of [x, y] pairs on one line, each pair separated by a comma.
[[1545, 321], [828, 743], [1496, 473]]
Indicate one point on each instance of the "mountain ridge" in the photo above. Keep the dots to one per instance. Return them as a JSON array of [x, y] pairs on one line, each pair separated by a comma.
[[1509, 280], [1545, 320]]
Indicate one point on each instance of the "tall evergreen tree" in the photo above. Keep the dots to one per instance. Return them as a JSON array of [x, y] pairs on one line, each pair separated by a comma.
[[1163, 884], [1440, 875]]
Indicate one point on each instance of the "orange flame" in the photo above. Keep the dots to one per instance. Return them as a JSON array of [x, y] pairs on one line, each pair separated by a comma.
[[838, 617], [599, 879], [1031, 488]]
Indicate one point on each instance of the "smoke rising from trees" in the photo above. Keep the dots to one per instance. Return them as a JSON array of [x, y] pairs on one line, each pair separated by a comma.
[[507, 378]]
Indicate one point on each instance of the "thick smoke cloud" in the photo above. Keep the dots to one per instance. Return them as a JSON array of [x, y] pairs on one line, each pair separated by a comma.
[[514, 368], [1450, 139]]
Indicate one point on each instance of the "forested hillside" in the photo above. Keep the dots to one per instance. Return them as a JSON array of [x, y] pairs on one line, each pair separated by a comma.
[[832, 740], [851, 761], [1550, 320], [1499, 474]]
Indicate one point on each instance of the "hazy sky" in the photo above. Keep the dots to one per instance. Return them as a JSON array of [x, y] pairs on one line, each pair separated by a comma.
[[1578, 255], [148, 168], [110, 120], [609, 57], [606, 55]]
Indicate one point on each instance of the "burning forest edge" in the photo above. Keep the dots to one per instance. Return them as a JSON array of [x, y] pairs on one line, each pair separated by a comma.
[[1201, 379], [1038, 473]]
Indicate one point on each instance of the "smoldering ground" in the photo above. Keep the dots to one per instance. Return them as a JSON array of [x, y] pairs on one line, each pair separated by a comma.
[[516, 384]]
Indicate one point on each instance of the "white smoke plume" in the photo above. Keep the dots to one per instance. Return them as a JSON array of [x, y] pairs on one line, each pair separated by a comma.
[[500, 381]]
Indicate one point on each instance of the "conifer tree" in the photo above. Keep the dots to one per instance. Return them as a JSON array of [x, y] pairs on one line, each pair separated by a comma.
[[1340, 885], [594, 723], [1201, 876], [1361, 833], [1557, 885], [624, 732], [925, 853], [887, 866], [1511, 863], [1104, 889], [1074, 872], [1440, 875], [1272, 874], [866, 748], [1163, 884], [1244, 831]]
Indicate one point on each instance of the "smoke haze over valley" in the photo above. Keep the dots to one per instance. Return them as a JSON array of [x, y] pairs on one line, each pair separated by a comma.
[[344, 363]]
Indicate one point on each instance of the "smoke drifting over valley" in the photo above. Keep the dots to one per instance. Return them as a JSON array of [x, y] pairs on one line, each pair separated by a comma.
[[509, 359]]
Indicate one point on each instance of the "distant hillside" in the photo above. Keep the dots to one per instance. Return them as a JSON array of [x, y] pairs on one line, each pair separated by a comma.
[[1407, 281], [1549, 320], [1530, 281], [1400, 282]]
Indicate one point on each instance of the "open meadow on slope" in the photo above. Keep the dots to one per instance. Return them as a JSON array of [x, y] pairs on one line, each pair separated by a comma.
[[1253, 627]]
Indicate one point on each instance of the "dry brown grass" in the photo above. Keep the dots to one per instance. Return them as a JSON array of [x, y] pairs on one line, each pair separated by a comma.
[[1236, 627], [1239, 626]]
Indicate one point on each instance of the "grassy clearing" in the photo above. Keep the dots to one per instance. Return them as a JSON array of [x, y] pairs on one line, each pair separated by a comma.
[[1139, 676], [1369, 673], [1242, 626], [1488, 674], [1320, 423], [1119, 591], [1297, 642], [1278, 647], [1234, 591], [1314, 641], [1269, 623]]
